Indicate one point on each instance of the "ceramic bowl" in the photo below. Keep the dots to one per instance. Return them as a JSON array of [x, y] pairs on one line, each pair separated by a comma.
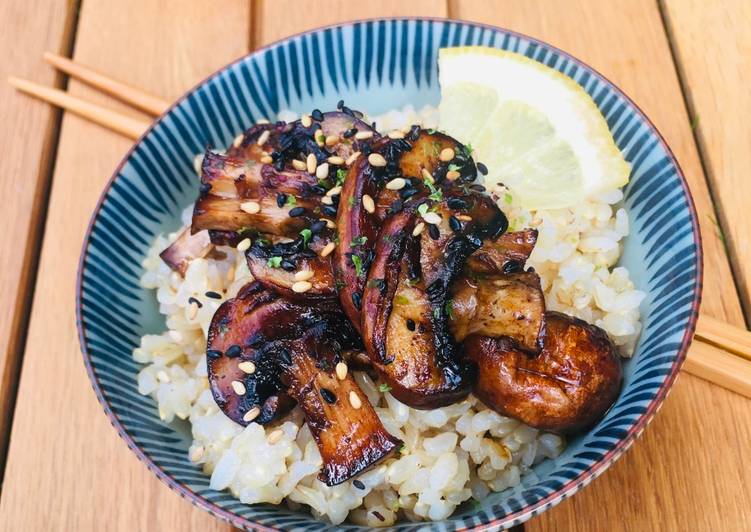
[[374, 65]]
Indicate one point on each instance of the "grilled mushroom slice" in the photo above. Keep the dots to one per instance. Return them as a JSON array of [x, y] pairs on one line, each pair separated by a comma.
[[506, 254], [393, 175], [186, 248], [256, 185], [265, 353], [566, 388]]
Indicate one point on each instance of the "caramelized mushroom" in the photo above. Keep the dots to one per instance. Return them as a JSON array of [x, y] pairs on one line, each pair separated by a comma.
[[266, 352], [566, 388], [186, 248]]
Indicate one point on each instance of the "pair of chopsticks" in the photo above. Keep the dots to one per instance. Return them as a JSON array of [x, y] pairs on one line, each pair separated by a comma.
[[123, 124], [721, 353]]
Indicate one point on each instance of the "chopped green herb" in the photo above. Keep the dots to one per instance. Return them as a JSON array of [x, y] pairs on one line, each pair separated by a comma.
[[306, 234], [454, 167], [341, 174], [325, 183], [244, 229], [291, 200], [450, 308], [403, 448], [358, 241], [435, 193], [432, 131], [401, 300], [274, 262], [383, 387], [508, 198], [422, 209], [395, 505], [357, 261]]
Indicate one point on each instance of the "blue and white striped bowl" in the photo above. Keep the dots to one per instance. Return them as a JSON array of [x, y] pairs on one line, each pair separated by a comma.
[[373, 65]]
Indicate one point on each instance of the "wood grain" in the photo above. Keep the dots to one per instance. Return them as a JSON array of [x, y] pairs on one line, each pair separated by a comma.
[[667, 478], [67, 469], [27, 140], [712, 46]]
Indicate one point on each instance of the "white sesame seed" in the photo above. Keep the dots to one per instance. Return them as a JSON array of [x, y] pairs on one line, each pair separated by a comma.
[[192, 311], [354, 400], [335, 160], [275, 436], [427, 176], [418, 229], [376, 159], [363, 135], [452, 175], [368, 203], [263, 138], [397, 183], [303, 275], [341, 371], [301, 286], [244, 244], [239, 387], [251, 414], [162, 376], [238, 140], [334, 191], [327, 249], [306, 121], [396, 134], [266, 159], [331, 140], [297, 164], [251, 207], [352, 158], [329, 223], [432, 218], [176, 336], [247, 367], [326, 200], [311, 163], [263, 121], [446, 154], [196, 453]]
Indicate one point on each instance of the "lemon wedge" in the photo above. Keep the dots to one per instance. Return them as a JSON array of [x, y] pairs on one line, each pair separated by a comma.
[[538, 132]]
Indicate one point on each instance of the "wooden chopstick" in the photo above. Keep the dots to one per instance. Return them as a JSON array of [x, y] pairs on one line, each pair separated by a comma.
[[719, 367], [122, 91], [125, 125], [728, 337]]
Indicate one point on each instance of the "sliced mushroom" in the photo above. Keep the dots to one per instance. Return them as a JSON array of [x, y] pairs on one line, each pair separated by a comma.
[[265, 353], [566, 388], [506, 254], [186, 248]]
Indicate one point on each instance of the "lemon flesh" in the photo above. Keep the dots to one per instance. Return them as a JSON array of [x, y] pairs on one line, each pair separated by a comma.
[[538, 132]]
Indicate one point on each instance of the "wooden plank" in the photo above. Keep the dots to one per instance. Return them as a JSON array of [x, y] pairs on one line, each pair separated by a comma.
[[712, 47], [67, 469], [27, 141], [275, 19], [676, 463]]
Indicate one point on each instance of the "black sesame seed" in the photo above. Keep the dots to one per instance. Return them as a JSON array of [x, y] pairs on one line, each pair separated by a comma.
[[366, 149], [213, 353], [205, 187], [456, 203], [347, 111], [349, 133], [317, 226], [317, 115], [340, 104], [455, 224], [328, 396], [328, 210], [414, 133], [356, 299], [281, 199], [275, 155], [318, 190], [396, 206], [359, 485], [194, 300], [407, 192], [477, 188], [482, 169], [296, 211], [287, 265], [279, 165], [378, 515], [213, 295], [234, 351], [411, 324], [433, 231]]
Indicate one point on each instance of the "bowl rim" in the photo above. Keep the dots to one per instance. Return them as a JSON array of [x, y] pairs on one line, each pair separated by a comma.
[[524, 513]]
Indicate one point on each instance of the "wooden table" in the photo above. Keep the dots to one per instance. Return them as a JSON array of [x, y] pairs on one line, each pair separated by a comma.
[[685, 62]]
